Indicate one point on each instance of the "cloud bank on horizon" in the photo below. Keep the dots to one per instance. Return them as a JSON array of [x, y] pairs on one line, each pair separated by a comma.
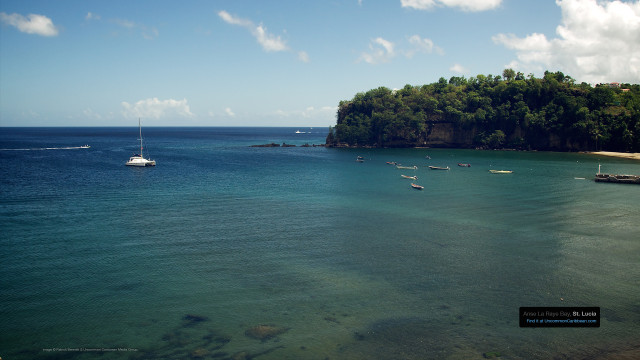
[[595, 41], [156, 109]]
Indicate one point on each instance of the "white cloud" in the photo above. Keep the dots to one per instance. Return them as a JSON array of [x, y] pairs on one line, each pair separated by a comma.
[[32, 24], [269, 42], [156, 109], [309, 113], [465, 5], [125, 23], [146, 32], [422, 45], [457, 68], [92, 16], [381, 52], [229, 112], [597, 41], [418, 4], [303, 56], [89, 113]]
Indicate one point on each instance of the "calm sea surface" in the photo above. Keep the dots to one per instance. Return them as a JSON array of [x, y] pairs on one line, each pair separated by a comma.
[[228, 251]]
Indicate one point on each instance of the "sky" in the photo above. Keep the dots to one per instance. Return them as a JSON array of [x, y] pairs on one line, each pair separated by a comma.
[[285, 62]]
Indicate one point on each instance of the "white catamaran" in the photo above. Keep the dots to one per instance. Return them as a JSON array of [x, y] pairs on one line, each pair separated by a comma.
[[138, 159]]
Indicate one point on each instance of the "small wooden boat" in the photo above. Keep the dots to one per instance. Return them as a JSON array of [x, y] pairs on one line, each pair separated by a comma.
[[438, 168], [416, 186], [464, 165], [407, 167], [410, 177], [392, 163], [501, 171]]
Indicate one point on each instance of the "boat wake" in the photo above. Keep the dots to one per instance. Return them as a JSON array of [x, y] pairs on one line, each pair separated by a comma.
[[50, 148]]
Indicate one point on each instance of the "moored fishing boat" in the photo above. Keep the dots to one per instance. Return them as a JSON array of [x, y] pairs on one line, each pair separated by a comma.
[[410, 177], [438, 168], [416, 186], [464, 165], [407, 167]]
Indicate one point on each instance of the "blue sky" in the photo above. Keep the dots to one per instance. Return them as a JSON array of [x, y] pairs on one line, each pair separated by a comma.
[[285, 62]]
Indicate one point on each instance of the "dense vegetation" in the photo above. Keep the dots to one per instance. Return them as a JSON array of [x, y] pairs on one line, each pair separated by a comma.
[[508, 111]]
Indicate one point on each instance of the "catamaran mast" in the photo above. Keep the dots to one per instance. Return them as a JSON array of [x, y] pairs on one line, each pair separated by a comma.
[[140, 129]]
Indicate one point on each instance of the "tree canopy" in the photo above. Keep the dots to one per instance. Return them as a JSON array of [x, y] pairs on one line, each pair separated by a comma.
[[486, 111]]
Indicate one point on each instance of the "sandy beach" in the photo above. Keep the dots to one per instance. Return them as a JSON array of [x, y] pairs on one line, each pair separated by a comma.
[[635, 156]]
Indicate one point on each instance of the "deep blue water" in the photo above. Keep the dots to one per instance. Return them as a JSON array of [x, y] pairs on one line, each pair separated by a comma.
[[340, 259]]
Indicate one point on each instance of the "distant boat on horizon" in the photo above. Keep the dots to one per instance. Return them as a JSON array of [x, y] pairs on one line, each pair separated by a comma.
[[139, 159]]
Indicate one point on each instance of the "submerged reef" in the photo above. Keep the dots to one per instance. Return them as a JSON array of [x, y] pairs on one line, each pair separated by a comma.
[[264, 332]]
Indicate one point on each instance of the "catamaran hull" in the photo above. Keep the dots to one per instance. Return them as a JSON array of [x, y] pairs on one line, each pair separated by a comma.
[[141, 162], [141, 165]]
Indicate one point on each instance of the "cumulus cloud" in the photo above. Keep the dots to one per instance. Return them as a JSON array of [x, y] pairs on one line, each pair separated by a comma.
[[125, 23], [381, 51], [309, 112], [597, 41], [419, 44], [457, 68], [147, 32], [464, 5], [156, 109], [303, 56], [92, 16], [31, 24], [229, 112], [269, 42]]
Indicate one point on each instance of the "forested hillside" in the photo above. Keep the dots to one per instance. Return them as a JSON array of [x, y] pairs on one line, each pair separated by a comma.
[[508, 111]]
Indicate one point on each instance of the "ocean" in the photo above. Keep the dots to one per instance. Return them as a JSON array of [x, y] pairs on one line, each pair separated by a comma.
[[227, 251]]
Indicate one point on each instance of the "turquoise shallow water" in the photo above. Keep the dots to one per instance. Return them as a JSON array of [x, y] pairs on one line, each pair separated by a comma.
[[339, 259]]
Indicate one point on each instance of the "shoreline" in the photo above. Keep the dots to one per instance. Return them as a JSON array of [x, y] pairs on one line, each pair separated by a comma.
[[633, 156]]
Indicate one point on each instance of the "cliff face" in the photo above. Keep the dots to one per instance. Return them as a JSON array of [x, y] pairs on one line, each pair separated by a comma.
[[446, 135]]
